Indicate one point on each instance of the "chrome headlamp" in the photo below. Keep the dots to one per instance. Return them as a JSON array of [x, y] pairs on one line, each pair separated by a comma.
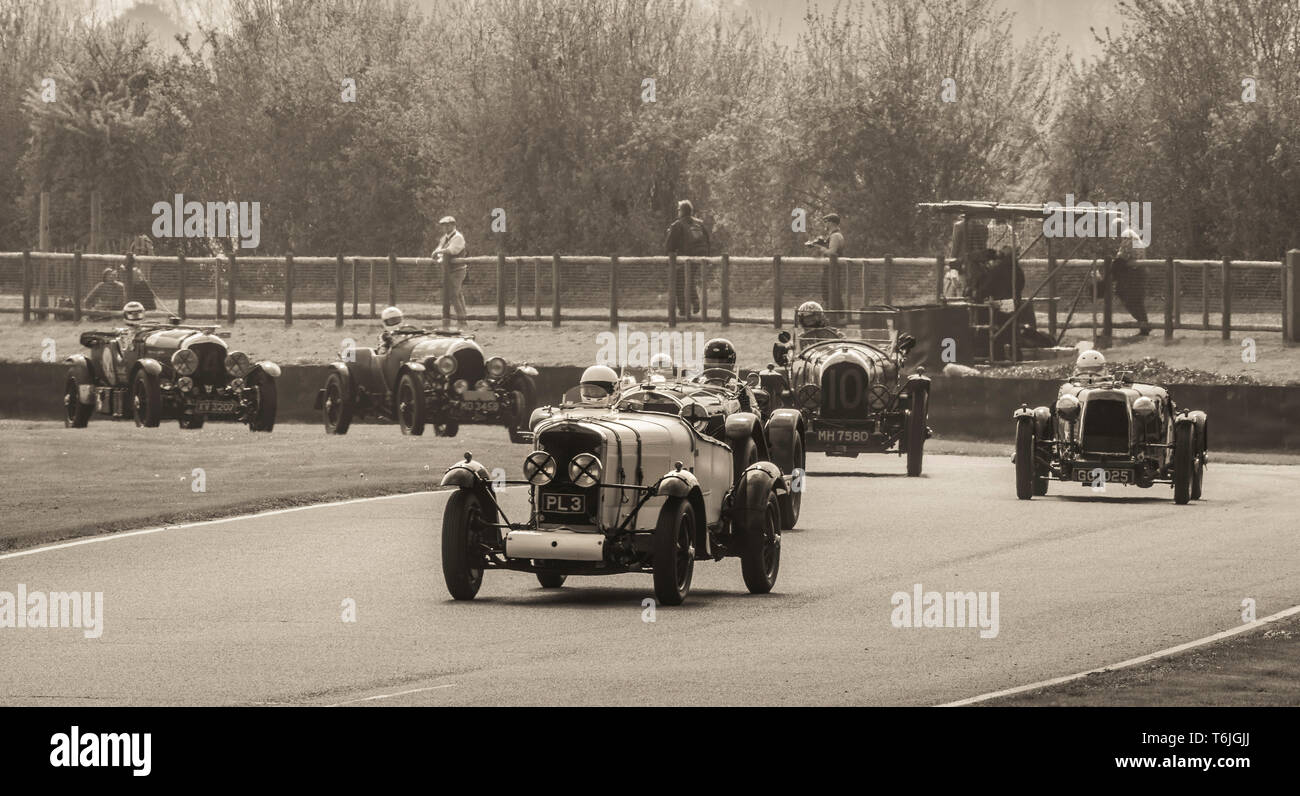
[[585, 470], [238, 364], [539, 468], [495, 367], [1067, 407], [185, 362], [446, 365]]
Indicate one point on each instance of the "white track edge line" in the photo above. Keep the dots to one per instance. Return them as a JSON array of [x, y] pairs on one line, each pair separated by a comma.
[[390, 696], [1295, 609]]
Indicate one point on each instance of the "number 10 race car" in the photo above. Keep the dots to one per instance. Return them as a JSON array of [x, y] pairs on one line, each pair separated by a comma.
[[668, 473]]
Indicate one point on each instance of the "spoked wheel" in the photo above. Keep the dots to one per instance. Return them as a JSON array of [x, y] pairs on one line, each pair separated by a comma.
[[262, 418], [337, 411], [463, 530], [674, 551], [1025, 458], [916, 431], [760, 552], [76, 414], [1184, 461], [410, 405], [146, 397], [801, 472]]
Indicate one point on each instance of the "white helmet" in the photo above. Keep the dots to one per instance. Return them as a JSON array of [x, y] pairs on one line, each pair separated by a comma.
[[597, 382], [661, 364], [810, 315], [391, 317], [133, 311], [1090, 361]]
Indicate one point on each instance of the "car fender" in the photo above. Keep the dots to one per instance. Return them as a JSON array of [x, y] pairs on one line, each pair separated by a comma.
[[746, 425], [749, 502], [79, 368], [783, 428], [1201, 422], [467, 474], [916, 383], [266, 366], [1040, 416], [151, 366], [685, 484]]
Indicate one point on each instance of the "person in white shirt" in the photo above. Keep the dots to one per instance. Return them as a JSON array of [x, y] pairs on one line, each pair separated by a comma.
[[449, 248]]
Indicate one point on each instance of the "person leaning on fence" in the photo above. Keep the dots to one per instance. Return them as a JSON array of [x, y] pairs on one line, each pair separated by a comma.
[[687, 237], [109, 294], [1129, 280], [451, 246], [831, 242]]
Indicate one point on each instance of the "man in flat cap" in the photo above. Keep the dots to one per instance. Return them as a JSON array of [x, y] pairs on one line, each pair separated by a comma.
[[831, 242], [451, 246]]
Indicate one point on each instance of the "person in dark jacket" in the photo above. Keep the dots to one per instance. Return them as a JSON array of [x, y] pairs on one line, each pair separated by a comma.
[[688, 237]]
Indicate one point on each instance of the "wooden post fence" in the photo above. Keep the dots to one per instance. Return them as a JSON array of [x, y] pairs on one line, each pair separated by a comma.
[[180, 284], [338, 291], [76, 286], [1171, 304], [613, 292], [27, 285], [889, 280], [555, 290], [672, 290], [392, 279], [232, 280], [1226, 278], [356, 289], [777, 297], [501, 289], [725, 289], [1291, 297], [288, 289]]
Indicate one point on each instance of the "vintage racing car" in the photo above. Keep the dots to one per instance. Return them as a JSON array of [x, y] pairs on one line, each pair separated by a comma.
[[1107, 429], [850, 386], [661, 475], [419, 378], [159, 371]]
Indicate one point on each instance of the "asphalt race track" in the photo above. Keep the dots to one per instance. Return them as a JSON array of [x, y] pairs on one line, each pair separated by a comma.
[[248, 611]]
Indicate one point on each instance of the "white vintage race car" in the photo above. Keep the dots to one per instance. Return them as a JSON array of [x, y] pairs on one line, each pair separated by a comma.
[[668, 473]]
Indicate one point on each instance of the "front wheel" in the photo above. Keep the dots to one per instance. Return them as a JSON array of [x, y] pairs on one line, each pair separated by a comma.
[[410, 404], [147, 399], [760, 551], [446, 429], [262, 417], [916, 431], [337, 411], [462, 554], [674, 551], [1184, 461], [1025, 458], [76, 414]]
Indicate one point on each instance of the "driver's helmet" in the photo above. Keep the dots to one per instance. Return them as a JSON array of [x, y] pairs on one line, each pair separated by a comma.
[[810, 315], [721, 354], [661, 364], [133, 312], [391, 318], [597, 383], [1091, 362]]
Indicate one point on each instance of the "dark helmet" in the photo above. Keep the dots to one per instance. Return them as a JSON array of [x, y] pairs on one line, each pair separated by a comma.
[[720, 353]]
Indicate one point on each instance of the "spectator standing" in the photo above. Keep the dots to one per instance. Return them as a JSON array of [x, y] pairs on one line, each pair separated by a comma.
[[109, 295], [451, 246], [687, 237], [833, 244], [1130, 281]]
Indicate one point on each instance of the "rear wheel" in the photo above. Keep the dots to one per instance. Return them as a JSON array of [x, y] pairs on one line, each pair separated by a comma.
[[792, 461], [462, 555], [146, 399], [1025, 458], [916, 431], [1184, 461], [262, 417], [760, 550], [550, 580], [410, 404], [76, 414], [338, 406], [674, 551]]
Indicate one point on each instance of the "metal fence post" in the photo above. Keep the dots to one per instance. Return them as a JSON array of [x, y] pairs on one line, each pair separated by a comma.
[[338, 290], [725, 288], [555, 290], [180, 284], [233, 283], [1227, 298], [288, 289], [76, 286], [1170, 304], [613, 292], [777, 298], [672, 289]]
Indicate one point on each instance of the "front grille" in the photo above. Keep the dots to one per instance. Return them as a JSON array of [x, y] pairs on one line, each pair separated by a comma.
[[844, 392], [1105, 426], [212, 365], [564, 443], [469, 365]]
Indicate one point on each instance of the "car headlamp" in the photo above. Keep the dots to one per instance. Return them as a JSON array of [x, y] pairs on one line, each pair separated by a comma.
[[1067, 407], [185, 383], [539, 468], [185, 362], [1144, 407], [446, 365], [585, 470], [495, 367], [238, 364], [808, 397], [460, 386]]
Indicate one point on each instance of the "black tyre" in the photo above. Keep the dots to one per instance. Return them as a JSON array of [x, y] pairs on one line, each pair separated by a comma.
[[674, 551], [446, 429], [337, 411], [191, 422], [1184, 461], [410, 404], [462, 532], [1025, 458], [76, 414], [525, 391], [262, 417], [743, 453], [551, 580], [146, 396], [916, 431], [793, 462], [760, 550]]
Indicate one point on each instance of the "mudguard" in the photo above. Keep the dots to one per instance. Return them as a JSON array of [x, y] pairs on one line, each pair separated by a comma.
[[678, 483], [467, 474], [783, 428], [79, 368], [151, 366], [266, 366], [749, 503], [746, 425], [1202, 423], [1040, 415]]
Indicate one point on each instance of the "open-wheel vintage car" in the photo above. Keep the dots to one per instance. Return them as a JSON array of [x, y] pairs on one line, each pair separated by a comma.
[[435, 378], [152, 372], [850, 385], [661, 475], [1107, 429]]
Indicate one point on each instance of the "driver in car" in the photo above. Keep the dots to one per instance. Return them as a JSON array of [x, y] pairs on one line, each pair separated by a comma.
[[597, 383], [661, 367], [1090, 365], [391, 318], [811, 320]]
